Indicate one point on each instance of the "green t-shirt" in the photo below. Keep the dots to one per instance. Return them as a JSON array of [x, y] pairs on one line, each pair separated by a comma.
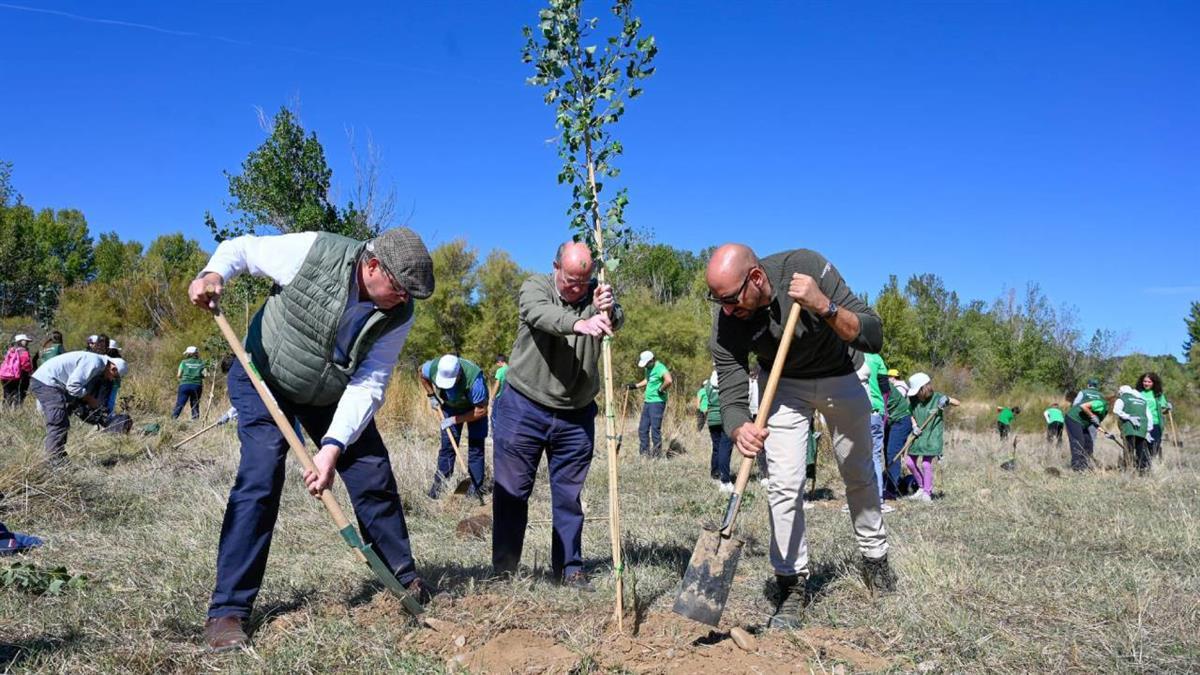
[[50, 352], [1099, 407], [713, 395], [1135, 406], [1005, 417], [929, 443], [501, 373], [1054, 415], [702, 399], [877, 366], [897, 404], [191, 371], [1155, 405], [654, 380]]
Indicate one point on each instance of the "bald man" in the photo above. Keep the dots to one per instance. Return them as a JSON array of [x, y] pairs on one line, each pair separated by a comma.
[[549, 406], [818, 376]]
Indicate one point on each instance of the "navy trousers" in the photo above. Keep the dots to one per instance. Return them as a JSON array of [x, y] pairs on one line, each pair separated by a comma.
[[188, 393], [722, 448], [650, 429], [477, 432], [897, 433], [524, 430], [254, 500]]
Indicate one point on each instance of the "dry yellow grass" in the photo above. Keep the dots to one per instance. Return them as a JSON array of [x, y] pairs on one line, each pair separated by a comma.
[[1020, 571]]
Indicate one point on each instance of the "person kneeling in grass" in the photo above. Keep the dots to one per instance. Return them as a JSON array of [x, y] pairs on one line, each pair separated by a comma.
[[928, 406]]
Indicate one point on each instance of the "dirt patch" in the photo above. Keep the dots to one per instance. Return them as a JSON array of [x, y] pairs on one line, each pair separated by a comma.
[[522, 651]]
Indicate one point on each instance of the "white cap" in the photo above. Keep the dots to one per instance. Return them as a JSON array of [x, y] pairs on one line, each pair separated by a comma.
[[644, 358], [917, 381], [122, 367], [447, 371], [112, 344], [713, 378], [93, 338], [21, 337], [191, 350]]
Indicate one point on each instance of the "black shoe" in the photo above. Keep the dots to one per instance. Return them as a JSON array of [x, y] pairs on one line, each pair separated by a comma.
[[420, 591], [789, 602], [878, 575], [579, 581], [435, 490]]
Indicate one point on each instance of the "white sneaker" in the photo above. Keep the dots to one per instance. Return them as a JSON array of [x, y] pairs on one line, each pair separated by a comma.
[[845, 508], [923, 496], [726, 487], [762, 481], [886, 508], [808, 506]]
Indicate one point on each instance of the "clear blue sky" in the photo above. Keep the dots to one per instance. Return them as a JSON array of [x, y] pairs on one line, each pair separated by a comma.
[[992, 143]]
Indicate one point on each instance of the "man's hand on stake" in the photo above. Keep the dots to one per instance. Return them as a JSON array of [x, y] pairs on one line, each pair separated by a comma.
[[205, 290], [749, 439], [804, 290], [603, 298], [326, 463], [597, 326]]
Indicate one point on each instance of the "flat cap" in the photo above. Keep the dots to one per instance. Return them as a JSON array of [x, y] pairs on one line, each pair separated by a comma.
[[404, 256]]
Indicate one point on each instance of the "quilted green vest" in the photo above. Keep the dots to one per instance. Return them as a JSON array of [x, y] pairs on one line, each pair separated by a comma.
[[291, 339]]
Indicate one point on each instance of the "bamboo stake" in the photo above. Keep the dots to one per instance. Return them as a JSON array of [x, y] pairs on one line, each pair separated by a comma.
[[180, 444], [1174, 431], [614, 504]]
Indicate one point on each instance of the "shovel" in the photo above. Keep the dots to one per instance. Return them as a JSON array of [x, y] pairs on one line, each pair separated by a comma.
[[194, 436], [464, 483], [709, 574], [362, 550]]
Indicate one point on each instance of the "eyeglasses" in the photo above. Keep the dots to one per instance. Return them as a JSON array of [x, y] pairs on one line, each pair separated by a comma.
[[574, 283], [736, 297], [396, 286]]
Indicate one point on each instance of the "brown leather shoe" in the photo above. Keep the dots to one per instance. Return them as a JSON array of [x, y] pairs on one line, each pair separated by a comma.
[[422, 592], [224, 633]]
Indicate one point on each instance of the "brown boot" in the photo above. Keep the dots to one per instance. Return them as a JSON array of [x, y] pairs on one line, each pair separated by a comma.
[[224, 633]]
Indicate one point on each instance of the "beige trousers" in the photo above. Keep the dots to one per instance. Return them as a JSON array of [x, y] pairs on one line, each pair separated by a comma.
[[847, 411]]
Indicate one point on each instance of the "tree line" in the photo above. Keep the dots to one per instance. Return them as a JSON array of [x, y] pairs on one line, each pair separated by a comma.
[[55, 274]]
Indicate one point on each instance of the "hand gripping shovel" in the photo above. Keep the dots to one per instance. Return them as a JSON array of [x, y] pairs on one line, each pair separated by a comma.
[[710, 573], [364, 551], [464, 483]]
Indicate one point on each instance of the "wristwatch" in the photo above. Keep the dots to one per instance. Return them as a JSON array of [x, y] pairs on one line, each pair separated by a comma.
[[831, 312]]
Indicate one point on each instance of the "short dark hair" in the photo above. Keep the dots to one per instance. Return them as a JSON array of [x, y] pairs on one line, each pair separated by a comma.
[[501, 357]]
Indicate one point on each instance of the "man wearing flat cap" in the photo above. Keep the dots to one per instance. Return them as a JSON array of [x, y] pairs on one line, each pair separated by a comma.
[[325, 342]]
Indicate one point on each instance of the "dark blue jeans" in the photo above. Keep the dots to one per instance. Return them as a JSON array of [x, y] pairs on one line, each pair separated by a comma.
[[254, 500], [722, 447], [477, 432], [650, 429], [188, 393], [524, 430], [897, 434]]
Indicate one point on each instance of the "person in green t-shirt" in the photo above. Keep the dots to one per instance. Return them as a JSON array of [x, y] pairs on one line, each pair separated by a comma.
[[1004, 419], [52, 347], [1151, 387], [191, 374], [702, 407], [1054, 424], [928, 408], [1136, 425], [1088, 409], [722, 447], [500, 375], [656, 383]]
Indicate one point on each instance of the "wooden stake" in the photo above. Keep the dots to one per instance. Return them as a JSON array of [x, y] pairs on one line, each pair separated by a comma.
[[1174, 431]]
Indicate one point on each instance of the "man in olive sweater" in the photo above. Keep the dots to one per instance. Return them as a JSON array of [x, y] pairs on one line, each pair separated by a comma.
[[819, 376], [549, 406], [325, 342]]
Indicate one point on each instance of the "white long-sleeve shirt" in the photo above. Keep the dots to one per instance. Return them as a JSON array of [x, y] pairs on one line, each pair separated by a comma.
[[72, 372], [279, 258]]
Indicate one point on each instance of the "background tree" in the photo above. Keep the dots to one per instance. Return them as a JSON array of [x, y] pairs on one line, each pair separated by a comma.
[[494, 329], [444, 319], [115, 258]]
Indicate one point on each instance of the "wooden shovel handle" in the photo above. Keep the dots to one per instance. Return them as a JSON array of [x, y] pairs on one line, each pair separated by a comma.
[[764, 409], [294, 442]]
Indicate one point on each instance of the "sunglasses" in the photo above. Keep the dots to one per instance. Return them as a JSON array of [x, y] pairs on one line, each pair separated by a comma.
[[736, 297]]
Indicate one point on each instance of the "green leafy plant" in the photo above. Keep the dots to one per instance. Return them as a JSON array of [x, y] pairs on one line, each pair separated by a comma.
[[30, 578]]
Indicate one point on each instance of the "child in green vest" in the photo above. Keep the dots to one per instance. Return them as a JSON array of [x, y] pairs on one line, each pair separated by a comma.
[[191, 375], [1136, 425], [928, 407]]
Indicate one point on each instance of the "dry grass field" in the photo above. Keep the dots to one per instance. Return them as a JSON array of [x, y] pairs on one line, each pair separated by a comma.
[[1032, 570]]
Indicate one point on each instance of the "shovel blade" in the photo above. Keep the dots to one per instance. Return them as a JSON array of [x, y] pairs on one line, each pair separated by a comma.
[[708, 577], [382, 573]]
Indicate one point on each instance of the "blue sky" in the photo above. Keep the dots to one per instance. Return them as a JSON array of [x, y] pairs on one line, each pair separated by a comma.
[[992, 143]]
